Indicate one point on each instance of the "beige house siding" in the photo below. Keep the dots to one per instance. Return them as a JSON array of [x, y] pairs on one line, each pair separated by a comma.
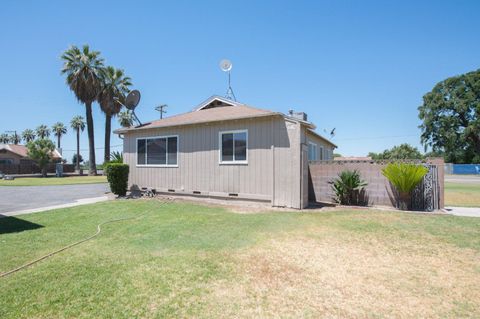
[[4, 154], [324, 149], [272, 173]]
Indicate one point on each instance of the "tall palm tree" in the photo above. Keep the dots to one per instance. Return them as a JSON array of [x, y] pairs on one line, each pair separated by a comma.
[[78, 124], [4, 138], [115, 85], [15, 138], [58, 130], [125, 118], [84, 69], [42, 131], [28, 135]]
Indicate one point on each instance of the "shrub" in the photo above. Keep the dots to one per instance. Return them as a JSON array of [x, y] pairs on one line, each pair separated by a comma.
[[117, 176], [405, 177], [41, 152], [349, 188]]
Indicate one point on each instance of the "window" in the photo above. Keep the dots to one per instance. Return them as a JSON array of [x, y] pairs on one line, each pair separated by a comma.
[[322, 154], [233, 147], [312, 152], [157, 151], [7, 161]]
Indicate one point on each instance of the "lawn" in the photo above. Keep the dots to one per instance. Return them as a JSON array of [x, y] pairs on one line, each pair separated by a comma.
[[181, 260], [462, 194], [39, 181]]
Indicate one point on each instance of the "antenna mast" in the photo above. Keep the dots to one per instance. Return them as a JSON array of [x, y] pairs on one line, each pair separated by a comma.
[[160, 109], [226, 66]]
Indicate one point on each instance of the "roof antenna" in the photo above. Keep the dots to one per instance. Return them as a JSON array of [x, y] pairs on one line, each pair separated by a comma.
[[226, 66], [160, 109]]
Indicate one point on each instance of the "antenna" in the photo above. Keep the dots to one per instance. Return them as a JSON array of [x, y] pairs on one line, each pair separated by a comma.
[[226, 66], [131, 102], [160, 109]]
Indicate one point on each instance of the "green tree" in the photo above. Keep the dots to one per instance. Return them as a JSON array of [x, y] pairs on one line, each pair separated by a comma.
[[125, 118], [4, 138], [450, 115], [41, 151], [59, 130], [84, 69], [402, 151], [42, 131], [74, 159], [28, 135], [78, 124], [115, 86], [15, 138]]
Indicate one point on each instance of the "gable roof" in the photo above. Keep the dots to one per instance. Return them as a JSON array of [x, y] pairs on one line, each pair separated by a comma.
[[21, 150], [216, 101]]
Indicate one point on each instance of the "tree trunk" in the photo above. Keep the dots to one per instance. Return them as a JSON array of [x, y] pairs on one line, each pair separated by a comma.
[[58, 141], [44, 171], [108, 129], [78, 151], [91, 140]]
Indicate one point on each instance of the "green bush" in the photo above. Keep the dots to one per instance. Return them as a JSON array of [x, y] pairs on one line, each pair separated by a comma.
[[349, 188], [405, 177], [117, 176]]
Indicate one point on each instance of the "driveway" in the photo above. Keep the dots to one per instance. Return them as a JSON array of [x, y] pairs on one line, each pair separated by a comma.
[[15, 200]]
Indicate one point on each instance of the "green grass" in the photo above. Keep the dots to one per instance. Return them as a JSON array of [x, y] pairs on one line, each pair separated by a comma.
[[462, 194], [39, 181], [172, 261]]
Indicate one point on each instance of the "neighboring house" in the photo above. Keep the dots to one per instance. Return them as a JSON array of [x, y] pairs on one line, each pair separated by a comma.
[[226, 149], [353, 158], [18, 154]]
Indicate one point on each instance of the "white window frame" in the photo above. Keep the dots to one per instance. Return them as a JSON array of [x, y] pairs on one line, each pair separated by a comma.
[[314, 147], [146, 151], [233, 162]]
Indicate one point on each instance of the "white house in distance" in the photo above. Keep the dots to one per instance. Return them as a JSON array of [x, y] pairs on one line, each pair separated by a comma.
[[226, 149]]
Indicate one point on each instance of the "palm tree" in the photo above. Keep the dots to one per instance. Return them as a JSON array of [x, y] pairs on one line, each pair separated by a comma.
[[125, 118], [43, 131], [4, 138], [58, 130], [84, 69], [15, 138], [114, 88], [28, 135], [78, 124]]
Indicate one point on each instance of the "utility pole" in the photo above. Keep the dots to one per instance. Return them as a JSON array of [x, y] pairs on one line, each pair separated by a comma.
[[160, 109]]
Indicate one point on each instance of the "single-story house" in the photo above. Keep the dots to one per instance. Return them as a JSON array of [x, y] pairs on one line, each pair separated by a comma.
[[224, 148], [18, 154]]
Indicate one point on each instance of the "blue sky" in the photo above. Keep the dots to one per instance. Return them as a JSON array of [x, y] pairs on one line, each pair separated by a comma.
[[359, 66]]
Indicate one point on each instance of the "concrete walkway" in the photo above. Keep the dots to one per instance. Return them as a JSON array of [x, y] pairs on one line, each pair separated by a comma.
[[463, 211], [17, 200]]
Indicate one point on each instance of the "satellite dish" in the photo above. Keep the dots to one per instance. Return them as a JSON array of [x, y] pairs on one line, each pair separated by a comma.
[[132, 100], [225, 65]]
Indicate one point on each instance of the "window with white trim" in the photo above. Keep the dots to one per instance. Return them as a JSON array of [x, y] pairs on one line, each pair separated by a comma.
[[157, 151], [312, 152], [233, 147]]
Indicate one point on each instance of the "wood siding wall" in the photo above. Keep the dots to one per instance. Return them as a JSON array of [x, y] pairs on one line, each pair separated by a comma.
[[272, 172]]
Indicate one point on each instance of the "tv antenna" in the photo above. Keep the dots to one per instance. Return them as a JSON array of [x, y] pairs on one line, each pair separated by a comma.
[[160, 109], [131, 102], [332, 132], [226, 66]]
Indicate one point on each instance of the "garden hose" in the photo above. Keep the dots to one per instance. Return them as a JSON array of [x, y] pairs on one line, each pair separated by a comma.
[[99, 230]]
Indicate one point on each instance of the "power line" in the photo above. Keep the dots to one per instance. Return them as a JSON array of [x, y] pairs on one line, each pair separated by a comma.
[[97, 148], [374, 138]]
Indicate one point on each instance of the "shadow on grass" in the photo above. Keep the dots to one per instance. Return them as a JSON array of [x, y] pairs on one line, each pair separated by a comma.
[[10, 224]]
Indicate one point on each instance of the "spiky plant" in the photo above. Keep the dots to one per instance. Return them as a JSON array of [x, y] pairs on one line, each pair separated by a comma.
[[59, 130], [116, 157], [28, 135], [125, 118], [404, 177], [84, 69], [348, 188], [78, 124], [43, 131], [115, 85]]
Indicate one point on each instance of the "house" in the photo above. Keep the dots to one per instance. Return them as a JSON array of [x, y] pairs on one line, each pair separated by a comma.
[[18, 154], [226, 149], [353, 158]]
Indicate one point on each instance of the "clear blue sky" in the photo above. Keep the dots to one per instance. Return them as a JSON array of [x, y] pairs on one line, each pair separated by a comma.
[[359, 66]]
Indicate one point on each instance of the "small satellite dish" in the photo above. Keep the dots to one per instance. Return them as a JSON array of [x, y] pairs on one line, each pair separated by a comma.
[[132, 100], [225, 65]]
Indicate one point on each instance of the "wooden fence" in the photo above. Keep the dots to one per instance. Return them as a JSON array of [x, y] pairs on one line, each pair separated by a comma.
[[32, 168], [428, 196]]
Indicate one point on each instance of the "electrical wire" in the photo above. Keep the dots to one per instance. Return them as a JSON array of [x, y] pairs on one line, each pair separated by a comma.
[[99, 230]]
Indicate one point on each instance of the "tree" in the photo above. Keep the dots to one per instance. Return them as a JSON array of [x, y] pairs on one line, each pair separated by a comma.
[[74, 159], [84, 69], [115, 85], [42, 131], [28, 135], [78, 124], [15, 138], [41, 151], [125, 118], [402, 151], [451, 118], [59, 130], [4, 138]]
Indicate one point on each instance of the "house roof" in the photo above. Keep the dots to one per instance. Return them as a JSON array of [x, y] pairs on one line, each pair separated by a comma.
[[21, 150], [310, 131]]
